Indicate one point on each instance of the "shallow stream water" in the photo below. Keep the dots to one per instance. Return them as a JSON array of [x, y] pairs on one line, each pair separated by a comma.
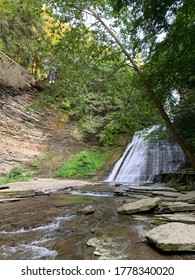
[[53, 226]]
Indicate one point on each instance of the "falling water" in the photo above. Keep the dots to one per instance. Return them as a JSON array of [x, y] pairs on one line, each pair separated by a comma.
[[143, 159]]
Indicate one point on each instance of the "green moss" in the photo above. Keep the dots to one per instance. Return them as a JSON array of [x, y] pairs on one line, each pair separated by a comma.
[[168, 247], [159, 222], [181, 181], [163, 247]]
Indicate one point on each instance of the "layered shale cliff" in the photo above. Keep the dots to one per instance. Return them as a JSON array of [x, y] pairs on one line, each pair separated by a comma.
[[26, 136], [21, 138]]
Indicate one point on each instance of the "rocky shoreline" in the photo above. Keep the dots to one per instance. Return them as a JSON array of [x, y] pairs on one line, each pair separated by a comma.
[[174, 217]]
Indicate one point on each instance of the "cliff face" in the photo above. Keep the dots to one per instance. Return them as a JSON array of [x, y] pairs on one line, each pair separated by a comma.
[[21, 137], [25, 136]]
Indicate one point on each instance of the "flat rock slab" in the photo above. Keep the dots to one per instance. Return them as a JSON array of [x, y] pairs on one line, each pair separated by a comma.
[[10, 200], [151, 187], [17, 194], [139, 206], [166, 194], [188, 197], [178, 206], [173, 237], [183, 218]]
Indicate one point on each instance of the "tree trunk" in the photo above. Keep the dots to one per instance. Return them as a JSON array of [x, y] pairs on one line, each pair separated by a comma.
[[152, 95]]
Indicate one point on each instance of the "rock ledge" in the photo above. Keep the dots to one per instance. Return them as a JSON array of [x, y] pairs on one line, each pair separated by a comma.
[[139, 206], [173, 237]]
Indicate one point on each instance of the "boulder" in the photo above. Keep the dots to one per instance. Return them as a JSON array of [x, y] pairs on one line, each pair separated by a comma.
[[106, 249], [87, 210], [178, 206], [183, 218], [188, 197], [139, 206], [173, 237]]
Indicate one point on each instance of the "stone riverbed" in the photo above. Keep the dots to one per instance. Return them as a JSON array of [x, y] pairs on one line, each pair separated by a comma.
[[77, 221]]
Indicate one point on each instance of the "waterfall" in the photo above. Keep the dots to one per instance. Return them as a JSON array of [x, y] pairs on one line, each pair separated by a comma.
[[143, 159]]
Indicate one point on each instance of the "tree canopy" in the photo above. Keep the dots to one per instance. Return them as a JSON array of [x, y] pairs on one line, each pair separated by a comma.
[[121, 64], [20, 26]]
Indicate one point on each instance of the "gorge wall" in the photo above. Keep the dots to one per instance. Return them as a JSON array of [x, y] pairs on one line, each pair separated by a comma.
[[26, 136]]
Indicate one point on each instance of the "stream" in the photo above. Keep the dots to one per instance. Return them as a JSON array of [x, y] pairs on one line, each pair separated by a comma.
[[55, 226]]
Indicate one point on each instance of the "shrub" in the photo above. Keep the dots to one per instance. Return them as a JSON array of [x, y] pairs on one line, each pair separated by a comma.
[[85, 163], [16, 174]]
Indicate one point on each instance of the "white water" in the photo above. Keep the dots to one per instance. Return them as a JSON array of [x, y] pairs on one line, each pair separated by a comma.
[[29, 251], [37, 249], [143, 159]]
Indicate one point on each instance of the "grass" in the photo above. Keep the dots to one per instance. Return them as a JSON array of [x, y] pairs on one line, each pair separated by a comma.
[[16, 174], [85, 164]]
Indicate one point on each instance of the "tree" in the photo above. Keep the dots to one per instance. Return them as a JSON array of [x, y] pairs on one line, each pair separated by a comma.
[[93, 86], [153, 16], [21, 28], [138, 33], [171, 71]]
